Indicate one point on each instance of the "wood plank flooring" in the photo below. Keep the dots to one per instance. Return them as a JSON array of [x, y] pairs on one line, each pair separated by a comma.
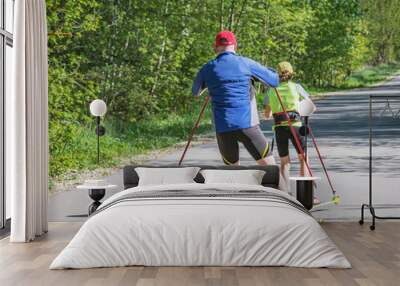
[[375, 257]]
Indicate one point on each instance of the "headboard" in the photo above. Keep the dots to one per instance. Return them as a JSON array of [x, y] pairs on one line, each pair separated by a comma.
[[270, 179]]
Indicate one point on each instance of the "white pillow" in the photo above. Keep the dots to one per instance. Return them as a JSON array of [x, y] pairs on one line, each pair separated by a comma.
[[166, 176], [246, 177]]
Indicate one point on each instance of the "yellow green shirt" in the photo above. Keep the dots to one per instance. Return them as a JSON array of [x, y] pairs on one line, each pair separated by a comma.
[[290, 98]]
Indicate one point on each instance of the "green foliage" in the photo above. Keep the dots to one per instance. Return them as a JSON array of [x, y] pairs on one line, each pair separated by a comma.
[[141, 56], [274, 31], [331, 41], [383, 22]]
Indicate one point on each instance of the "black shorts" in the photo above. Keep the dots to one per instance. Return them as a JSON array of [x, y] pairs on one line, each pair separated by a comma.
[[282, 136], [252, 138]]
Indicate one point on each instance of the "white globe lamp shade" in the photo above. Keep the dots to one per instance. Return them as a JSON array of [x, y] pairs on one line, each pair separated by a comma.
[[98, 107], [306, 107]]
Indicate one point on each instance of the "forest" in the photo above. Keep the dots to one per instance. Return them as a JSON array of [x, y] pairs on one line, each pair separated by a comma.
[[140, 57]]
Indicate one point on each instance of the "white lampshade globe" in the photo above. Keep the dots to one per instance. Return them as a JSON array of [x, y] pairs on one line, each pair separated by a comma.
[[98, 107], [306, 107]]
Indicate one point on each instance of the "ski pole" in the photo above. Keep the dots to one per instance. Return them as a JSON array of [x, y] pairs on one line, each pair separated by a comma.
[[322, 161], [273, 143], [293, 131], [321, 205], [196, 125]]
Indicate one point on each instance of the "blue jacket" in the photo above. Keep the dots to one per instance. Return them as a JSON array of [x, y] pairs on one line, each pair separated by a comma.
[[228, 79]]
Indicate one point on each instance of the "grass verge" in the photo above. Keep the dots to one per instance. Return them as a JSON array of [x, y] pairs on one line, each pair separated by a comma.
[[159, 132], [365, 77]]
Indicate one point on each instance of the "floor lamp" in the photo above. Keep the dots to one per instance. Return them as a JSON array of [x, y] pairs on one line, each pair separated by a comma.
[[305, 185], [306, 108], [98, 108]]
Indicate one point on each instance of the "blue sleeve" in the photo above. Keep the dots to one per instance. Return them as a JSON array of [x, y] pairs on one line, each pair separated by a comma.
[[266, 75], [198, 84]]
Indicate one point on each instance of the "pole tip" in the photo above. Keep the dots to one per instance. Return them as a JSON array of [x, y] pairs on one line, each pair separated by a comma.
[[336, 199]]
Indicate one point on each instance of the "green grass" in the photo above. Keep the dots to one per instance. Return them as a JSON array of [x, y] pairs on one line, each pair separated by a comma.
[[153, 134], [365, 77]]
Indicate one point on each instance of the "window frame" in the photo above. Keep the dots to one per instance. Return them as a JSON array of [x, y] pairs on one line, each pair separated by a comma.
[[6, 39]]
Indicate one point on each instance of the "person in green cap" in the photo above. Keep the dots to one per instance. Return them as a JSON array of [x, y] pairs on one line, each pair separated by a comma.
[[291, 95]]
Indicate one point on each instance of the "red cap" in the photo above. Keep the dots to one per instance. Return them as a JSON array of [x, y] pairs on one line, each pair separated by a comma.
[[225, 38]]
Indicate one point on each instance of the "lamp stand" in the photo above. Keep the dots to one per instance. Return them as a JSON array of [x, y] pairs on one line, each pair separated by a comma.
[[305, 137], [98, 138], [100, 131]]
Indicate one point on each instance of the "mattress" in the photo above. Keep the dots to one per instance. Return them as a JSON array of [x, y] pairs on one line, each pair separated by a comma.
[[201, 225]]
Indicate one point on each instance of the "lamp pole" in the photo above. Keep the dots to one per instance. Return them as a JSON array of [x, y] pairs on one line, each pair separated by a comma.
[[305, 137], [100, 131], [98, 138]]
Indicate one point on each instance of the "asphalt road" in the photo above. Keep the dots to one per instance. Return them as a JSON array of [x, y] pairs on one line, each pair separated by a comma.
[[340, 126]]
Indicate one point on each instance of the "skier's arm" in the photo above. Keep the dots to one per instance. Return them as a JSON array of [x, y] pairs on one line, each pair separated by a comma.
[[267, 107], [303, 93], [198, 84], [267, 112], [267, 76]]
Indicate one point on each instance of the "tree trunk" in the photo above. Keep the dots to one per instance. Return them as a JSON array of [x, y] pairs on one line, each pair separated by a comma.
[[221, 15], [239, 17], [231, 15], [161, 56]]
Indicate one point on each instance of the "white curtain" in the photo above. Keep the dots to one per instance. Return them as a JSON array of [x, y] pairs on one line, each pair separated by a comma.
[[27, 124]]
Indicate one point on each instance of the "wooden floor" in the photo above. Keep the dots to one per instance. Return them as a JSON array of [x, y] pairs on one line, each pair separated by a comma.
[[375, 257]]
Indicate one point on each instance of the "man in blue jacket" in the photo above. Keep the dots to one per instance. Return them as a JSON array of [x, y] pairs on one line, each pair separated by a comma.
[[228, 78]]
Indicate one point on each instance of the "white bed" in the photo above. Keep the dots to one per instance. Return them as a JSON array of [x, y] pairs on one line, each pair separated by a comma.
[[184, 230]]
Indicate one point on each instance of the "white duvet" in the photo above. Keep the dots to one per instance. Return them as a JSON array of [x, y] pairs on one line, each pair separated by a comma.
[[200, 231]]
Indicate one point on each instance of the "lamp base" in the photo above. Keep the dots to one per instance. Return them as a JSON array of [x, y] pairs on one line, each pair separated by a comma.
[[305, 193], [96, 195]]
